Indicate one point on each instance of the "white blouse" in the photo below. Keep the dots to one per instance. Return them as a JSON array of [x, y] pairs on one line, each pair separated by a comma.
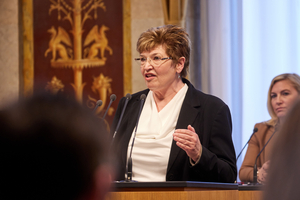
[[154, 136]]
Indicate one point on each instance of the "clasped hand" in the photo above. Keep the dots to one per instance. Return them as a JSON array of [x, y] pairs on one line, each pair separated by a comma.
[[188, 140], [263, 172]]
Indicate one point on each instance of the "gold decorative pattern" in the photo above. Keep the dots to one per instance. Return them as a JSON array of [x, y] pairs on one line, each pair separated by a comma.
[[174, 12], [56, 44], [27, 51], [54, 86], [60, 40], [127, 47], [102, 87], [100, 43], [27, 57]]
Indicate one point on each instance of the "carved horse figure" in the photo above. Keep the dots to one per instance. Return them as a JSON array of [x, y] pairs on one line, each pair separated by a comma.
[[101, 43], [55, 44]]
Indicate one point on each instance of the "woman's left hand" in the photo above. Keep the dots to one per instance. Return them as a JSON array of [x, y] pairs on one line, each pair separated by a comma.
[[263, 172], [188, 140]]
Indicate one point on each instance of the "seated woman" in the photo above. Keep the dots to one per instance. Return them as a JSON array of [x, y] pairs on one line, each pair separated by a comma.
[[283, 91], [183, 134]]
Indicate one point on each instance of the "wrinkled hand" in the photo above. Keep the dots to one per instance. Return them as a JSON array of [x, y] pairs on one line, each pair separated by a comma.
[[263, 172], [188, 140]]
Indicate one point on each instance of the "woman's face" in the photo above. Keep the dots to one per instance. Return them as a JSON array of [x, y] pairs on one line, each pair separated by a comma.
[[159, 77], [283, 95]]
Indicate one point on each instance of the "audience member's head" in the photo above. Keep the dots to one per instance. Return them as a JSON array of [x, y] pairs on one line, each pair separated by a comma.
[[52, 148], [284, 175], [289, 80]]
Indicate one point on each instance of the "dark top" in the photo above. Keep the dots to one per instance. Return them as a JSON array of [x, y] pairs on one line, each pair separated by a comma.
[[211, 119]]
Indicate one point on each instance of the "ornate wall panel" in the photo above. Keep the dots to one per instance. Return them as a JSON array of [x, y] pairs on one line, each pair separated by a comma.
[[76, 47]]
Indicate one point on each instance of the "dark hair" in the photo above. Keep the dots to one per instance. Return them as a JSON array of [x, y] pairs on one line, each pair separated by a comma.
[[174, 38], [50, 147], [284, 175]]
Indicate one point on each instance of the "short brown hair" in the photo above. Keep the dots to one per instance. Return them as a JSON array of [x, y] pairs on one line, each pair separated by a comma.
[[174, 38]]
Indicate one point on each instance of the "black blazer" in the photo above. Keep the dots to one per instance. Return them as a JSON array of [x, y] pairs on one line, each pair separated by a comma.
[[211, 119]]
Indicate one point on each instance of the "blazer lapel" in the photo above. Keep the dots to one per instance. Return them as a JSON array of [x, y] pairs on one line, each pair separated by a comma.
[[187, 116]]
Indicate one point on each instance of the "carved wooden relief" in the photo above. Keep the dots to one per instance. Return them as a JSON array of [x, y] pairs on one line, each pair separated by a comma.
[[78, 50]]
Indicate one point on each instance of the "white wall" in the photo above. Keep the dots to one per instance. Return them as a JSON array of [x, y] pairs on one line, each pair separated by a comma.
[[271, 46], [250, 42]]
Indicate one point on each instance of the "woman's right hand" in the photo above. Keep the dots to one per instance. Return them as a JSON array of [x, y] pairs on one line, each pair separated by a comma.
[[263, 172]]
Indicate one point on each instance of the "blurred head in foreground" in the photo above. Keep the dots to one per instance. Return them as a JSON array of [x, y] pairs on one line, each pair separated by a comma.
[[284, 175], [52, 148]]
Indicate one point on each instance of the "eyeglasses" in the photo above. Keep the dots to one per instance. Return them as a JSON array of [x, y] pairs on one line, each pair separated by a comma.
[[156, 60]]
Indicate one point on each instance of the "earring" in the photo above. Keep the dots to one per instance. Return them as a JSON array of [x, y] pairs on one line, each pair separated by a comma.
[[178, 75]]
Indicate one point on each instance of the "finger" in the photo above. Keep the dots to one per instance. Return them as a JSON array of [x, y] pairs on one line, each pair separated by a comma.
[[191, 128], [188, 141], [184, 139], [185, 142], [190, 151], [182, 146], [183, 132], [190, 144], [190, 131], [266, 167], [192, 137], [264, 175]]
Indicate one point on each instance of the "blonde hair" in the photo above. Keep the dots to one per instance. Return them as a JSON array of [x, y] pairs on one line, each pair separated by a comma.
[[174, 38], [295, 81]]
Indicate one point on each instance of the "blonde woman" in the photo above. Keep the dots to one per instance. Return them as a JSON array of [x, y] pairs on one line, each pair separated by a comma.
[[283, 91]]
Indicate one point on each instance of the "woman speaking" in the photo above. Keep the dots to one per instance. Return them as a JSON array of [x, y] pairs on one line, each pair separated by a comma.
[[182, 134]]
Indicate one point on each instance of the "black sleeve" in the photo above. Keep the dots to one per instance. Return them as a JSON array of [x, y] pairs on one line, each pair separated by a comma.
[[218, 162]]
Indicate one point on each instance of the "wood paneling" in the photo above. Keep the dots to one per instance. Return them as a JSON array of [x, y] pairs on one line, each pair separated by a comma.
[[175, 195], [250, 195]]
